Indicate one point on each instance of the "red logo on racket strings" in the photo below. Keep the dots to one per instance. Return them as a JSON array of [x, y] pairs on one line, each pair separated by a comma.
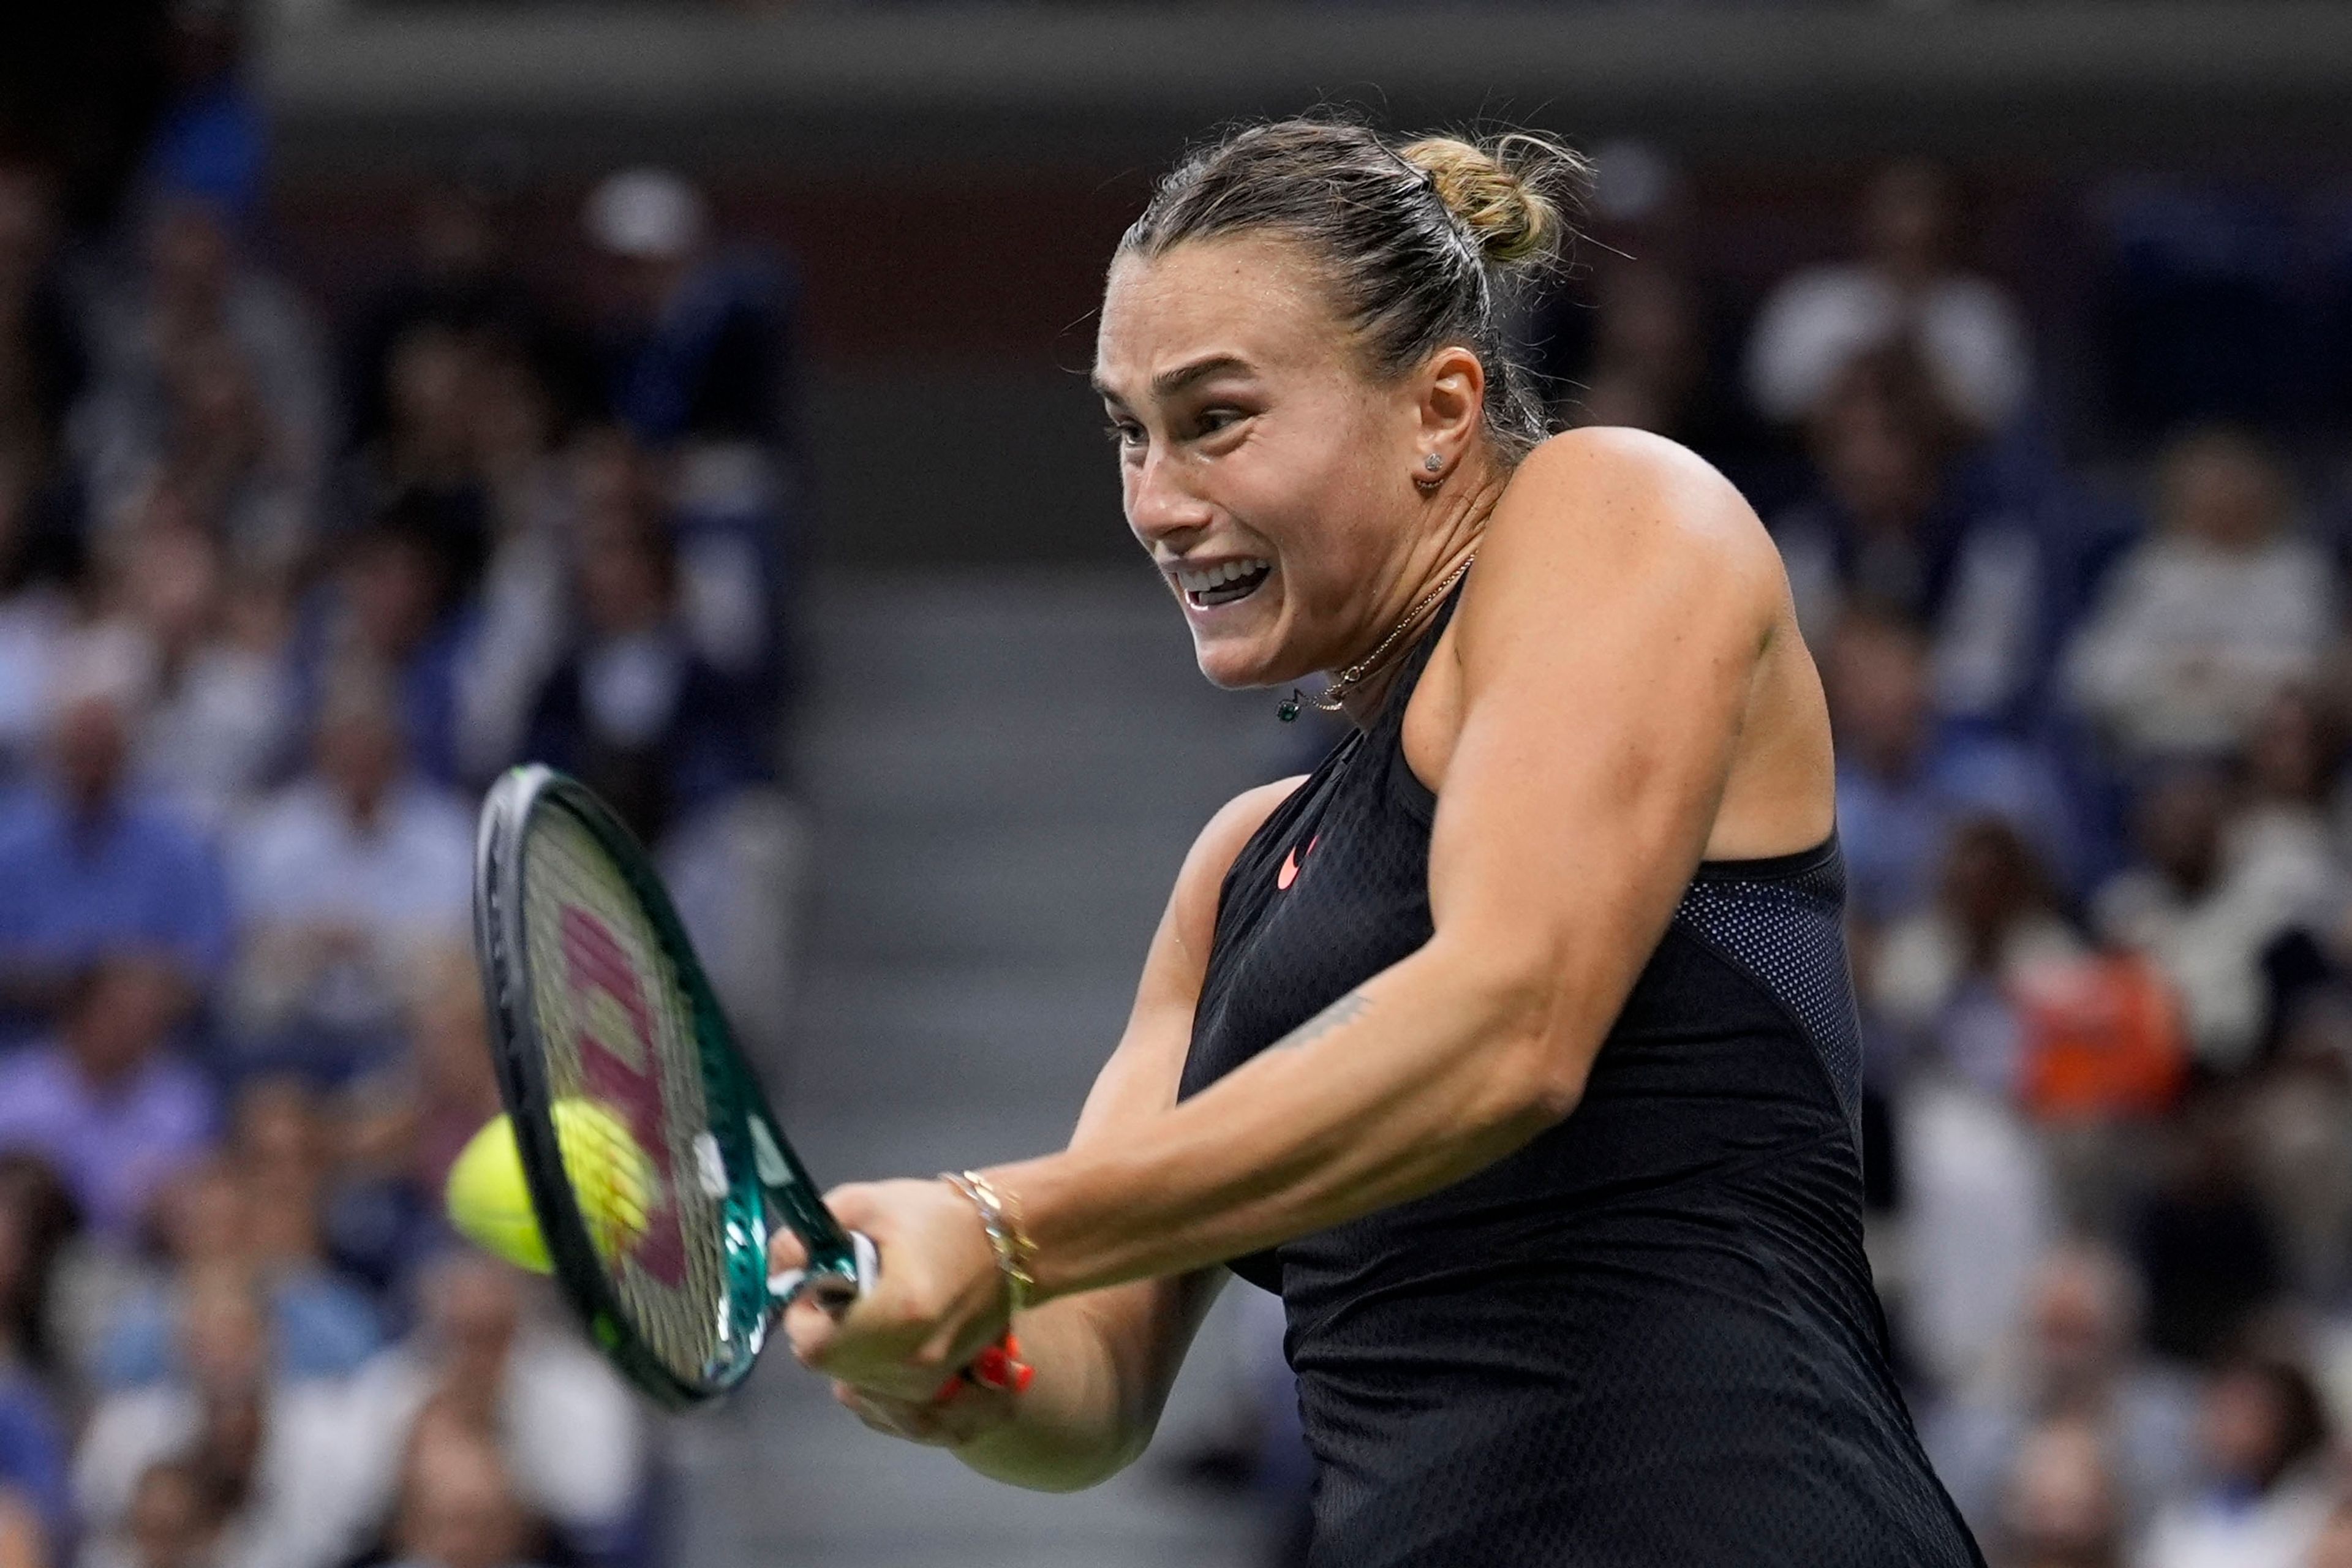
[[625, 1075], [1289, 872]]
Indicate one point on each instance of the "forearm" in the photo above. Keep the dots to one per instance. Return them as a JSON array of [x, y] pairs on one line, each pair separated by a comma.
[[1428, 1072], [1098, 1390]]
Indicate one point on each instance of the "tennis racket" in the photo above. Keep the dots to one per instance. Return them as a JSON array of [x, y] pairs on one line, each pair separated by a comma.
[[658, 1204]]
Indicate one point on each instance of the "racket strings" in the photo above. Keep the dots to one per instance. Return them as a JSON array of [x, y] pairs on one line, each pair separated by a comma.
[[568, 874]]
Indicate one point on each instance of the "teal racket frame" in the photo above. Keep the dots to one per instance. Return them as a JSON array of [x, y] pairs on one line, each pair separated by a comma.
[[764, 1176]]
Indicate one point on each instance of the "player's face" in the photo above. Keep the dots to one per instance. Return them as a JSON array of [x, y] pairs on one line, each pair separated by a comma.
[[1267, 474]]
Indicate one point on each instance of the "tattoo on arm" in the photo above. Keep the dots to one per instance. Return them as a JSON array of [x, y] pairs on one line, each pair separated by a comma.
[[1337, 1016]]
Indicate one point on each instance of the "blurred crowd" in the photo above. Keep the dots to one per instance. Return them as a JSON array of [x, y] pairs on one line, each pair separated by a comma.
[[2092, 718], [283, 581]]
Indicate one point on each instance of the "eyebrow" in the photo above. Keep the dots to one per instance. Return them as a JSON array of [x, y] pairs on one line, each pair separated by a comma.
[[1169, 382]]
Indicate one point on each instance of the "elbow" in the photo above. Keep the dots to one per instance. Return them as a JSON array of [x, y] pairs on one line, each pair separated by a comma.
[[1547, 1085], [1539, 1060]]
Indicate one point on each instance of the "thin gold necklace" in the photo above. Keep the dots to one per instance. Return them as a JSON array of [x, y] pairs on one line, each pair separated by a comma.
[[1334, 694]]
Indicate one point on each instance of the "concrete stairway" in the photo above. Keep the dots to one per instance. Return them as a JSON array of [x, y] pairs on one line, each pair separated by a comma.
[[1003, 772]]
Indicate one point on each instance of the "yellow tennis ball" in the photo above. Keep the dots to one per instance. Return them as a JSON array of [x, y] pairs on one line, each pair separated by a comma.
[[612, 1181]]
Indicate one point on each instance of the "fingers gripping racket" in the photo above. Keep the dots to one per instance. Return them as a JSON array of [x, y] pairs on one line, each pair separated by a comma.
[[656, 1170]]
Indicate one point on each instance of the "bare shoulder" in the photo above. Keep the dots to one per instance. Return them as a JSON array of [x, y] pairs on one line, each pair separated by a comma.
[[1630, 500], [1191, 923], [1220, 841]]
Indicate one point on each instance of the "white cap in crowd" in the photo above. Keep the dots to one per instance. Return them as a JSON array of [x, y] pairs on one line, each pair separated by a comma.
[[646, 215]]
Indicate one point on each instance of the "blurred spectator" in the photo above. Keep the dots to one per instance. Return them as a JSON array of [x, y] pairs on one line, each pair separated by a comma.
[[407, 1124], [35, 1217], [462, 274], [459, 1507], [729, 517], [207, 650], [1978, 1215], [1640, 336], [211, 140], [2059, 1507], [391, 607], [635, 710], [1905, 288], [570, 1434], [208, 1219], [2209, 618], [1905, 779], [2333, 1547], [261, 1209], [225, 461], [2203, 1242], [175, 1520], [1899, 524], [1979, 1195], [202, 349], [2296, 1115], [523, 621], [1944, 976], [683, 752], [105, 1101], [42, 360], [1650, 363], [280, 1453], [90, 869], [40, 561], [2211, 894], [2264, 1497], [421, 466], [2077, 1363], [41, 371], [342, 877], [23, 1543], [700, 351]]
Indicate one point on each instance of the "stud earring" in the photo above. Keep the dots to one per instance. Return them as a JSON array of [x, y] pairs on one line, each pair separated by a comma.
[[1433, 462]]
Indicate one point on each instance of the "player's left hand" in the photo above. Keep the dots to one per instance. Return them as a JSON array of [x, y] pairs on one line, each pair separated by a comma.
[[938, 1300], [970, 1411]]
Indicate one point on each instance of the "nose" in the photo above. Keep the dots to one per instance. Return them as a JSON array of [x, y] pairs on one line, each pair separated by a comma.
[[1161, 508]]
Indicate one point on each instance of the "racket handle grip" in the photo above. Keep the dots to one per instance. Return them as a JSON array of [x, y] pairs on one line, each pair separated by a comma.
[[835, 1287], [997, 1366]]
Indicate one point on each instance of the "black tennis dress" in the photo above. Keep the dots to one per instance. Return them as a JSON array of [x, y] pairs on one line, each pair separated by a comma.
[[1649, 1338]]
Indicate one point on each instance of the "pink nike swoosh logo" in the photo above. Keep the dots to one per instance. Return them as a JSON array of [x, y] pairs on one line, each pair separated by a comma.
[[1289, 872]]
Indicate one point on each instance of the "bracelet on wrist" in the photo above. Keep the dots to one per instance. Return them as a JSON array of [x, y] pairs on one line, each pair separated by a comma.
[[1000, 1217]]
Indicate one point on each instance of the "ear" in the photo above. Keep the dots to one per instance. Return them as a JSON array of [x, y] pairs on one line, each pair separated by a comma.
[[1452, 405]]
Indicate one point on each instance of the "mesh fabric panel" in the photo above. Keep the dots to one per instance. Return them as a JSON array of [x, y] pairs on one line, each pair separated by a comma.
[[1788, 931]]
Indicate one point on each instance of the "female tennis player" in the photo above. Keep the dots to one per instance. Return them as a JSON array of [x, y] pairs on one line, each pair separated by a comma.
[[1514, 1045]]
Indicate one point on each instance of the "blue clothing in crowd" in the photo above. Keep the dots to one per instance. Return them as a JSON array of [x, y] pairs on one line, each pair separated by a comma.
[[321, 1326], [33, 1451], [114, 1145], [1894, 828], [136, 877]]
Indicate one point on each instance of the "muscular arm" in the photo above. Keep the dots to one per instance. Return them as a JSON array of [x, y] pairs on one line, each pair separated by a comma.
[[1608, 646], [1105, 1359]]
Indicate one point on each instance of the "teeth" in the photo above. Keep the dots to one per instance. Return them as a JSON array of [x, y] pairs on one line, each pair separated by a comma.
[[1225, 571]]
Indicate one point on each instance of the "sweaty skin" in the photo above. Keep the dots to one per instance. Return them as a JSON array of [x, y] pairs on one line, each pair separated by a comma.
[[1621, 693]]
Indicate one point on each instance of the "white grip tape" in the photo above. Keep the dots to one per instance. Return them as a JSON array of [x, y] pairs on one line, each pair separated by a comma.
[[865, 1260]]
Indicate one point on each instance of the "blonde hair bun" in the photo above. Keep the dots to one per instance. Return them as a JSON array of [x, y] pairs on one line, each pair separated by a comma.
[[1513, 193]]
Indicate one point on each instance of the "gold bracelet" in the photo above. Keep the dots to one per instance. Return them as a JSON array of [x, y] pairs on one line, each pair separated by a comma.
[[1000, 1217]]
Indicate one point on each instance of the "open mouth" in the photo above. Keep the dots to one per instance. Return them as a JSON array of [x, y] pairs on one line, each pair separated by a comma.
[[1226, 583]]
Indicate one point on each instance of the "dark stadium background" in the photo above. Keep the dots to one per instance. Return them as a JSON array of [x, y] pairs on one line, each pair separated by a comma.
[[943, 746]]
